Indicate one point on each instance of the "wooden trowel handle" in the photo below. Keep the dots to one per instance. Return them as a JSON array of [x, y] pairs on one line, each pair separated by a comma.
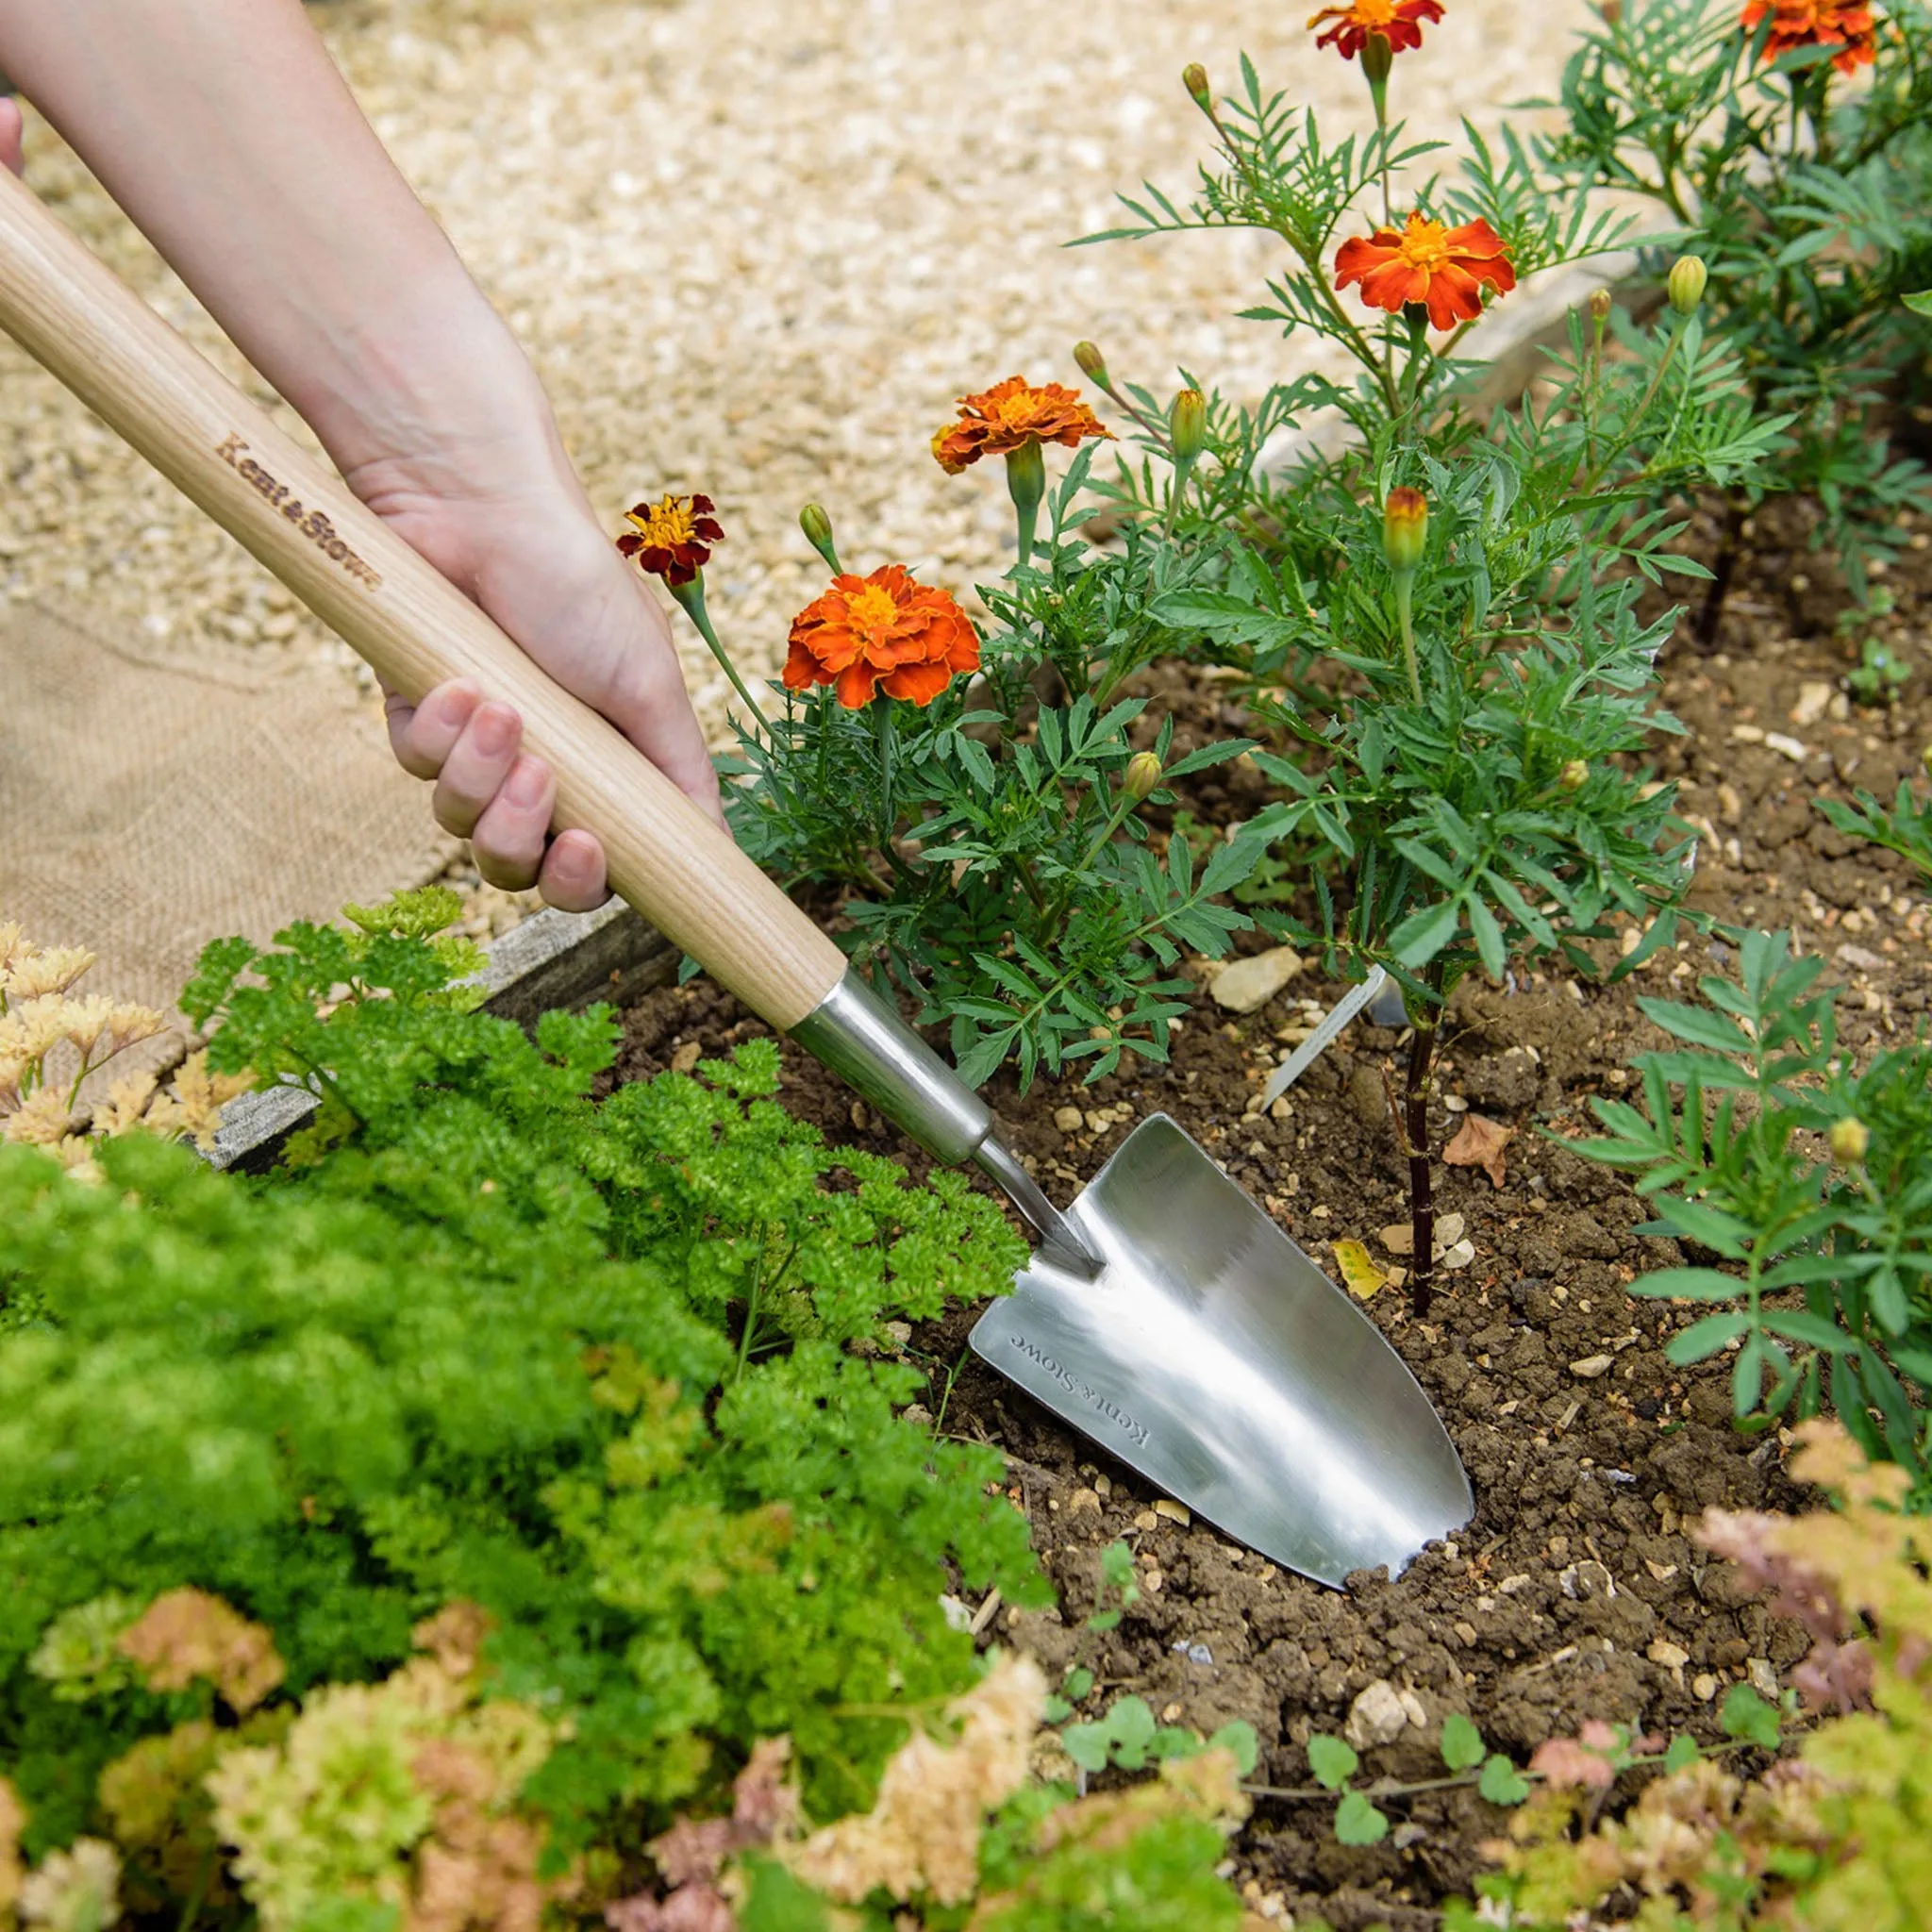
[[70, 313]]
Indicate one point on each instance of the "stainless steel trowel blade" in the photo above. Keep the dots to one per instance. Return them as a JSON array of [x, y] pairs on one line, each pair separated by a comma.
[[1214, 1356]]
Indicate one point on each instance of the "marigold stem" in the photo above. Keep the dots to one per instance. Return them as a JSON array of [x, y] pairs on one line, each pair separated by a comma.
[[1404, 601], [1026, 485], [883, 730], [690, 600]]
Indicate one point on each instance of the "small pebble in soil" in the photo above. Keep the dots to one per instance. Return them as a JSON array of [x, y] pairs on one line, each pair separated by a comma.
[[1248, 984], [1376, 1717]]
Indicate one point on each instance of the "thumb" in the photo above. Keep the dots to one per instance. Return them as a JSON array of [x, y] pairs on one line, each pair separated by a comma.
[[9, 134]]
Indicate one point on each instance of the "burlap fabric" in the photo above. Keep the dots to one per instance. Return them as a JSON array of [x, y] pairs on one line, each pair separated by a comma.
[[150, 804]]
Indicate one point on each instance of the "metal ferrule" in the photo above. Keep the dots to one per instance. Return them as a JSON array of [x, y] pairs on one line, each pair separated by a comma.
[[862, 1039]]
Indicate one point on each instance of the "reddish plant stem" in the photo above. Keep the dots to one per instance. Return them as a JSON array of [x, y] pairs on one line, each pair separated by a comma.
[[1415, 1134]]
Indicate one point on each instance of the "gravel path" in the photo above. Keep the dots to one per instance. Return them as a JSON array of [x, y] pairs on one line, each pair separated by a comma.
[[757, 249]]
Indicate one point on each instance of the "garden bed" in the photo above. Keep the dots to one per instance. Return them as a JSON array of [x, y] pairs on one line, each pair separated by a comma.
[[1576, 1591]]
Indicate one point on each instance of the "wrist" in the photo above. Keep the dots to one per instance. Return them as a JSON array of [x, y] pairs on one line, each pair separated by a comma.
[[430, 383]]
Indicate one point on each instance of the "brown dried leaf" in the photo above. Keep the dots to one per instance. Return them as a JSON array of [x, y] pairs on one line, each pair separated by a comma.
[[1479, 1142]]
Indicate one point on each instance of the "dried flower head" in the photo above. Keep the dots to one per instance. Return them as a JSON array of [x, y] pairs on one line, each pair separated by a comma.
[[1443, 269], [33, 972], [883, 632], [42, 1120], [1397, 22], [1850, 28], [1010, 415], [191, 1108], [672, 537]]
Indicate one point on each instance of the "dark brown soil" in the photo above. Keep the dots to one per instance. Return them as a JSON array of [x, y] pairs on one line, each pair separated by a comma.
[[1576, 1591]]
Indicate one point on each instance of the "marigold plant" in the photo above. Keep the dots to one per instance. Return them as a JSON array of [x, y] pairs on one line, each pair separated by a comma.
[[1396, 23], [1435, 615], [672, 537], [1440, 269], [1004, 420], [882, 634], [1788, 142]]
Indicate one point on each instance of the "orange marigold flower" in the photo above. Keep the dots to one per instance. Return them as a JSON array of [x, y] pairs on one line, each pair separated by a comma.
[[884, 632], [1850, 28], [1398, 22], [1009, 416], [1424, 261], [672, 539]]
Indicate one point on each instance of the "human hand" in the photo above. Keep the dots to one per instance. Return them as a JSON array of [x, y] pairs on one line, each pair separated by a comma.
[[533, 557], [355, 307]]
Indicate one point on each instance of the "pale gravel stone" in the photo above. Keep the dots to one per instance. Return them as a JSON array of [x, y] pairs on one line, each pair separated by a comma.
[[758, 250], [1249, 983], [1376, 1717]]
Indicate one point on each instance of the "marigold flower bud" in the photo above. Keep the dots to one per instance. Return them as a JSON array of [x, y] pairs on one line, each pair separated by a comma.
[[1575, 775], [1142, 775], [817, 526], [1601, 303], [1685, 285], [1405, 529], [1194, 78], [1092, 363], [1186, 423], [1849, 1139]]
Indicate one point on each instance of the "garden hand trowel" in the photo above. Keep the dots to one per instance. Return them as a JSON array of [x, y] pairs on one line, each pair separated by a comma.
[[1164, 1315]]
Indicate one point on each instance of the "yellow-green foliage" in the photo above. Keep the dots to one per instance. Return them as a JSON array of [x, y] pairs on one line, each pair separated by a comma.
[[1837, 1837]]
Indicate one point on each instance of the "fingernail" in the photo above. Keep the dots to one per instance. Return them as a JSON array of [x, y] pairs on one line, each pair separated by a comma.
[[524, 789], [446, 718], [495, 729]]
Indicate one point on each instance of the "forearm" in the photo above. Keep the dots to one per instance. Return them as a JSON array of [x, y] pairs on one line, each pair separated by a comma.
[[224, 131]]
